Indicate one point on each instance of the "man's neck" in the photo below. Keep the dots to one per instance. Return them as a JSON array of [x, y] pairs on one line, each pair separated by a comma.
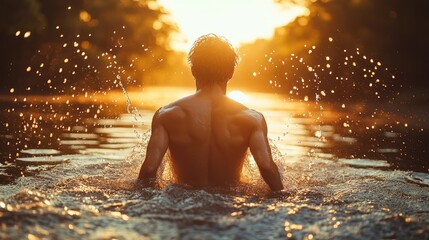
[[215, 89]]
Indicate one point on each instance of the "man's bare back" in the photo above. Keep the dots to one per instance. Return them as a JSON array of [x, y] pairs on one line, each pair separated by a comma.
[[208, 136]]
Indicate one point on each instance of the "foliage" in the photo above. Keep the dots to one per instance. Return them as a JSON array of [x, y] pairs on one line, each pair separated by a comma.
[[81, 44], [351, 50], [343, 49]]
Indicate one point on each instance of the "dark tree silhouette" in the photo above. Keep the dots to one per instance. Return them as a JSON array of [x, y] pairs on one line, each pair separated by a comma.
[[80, 44]]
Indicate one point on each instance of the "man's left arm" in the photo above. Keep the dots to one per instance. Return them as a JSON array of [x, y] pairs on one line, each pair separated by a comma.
[[261, 151], [157, 146]]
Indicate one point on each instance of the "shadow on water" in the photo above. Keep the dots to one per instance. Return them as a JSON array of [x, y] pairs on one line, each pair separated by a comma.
[[347, 175]]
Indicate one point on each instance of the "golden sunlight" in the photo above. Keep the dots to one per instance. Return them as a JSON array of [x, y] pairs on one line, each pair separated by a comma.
[[238, 96], [240, 21]]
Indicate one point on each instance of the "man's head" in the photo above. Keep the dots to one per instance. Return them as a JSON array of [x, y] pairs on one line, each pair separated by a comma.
[[212, 60]]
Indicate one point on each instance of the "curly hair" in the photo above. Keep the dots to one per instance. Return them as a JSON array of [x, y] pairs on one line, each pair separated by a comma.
[[212, 59]]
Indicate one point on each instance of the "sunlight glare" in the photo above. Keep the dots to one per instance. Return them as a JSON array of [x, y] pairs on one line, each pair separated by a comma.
[[240, 21], [238, 96]]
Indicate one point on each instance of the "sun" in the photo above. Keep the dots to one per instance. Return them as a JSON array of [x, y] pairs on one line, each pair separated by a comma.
[[240, 21], [238, 96]]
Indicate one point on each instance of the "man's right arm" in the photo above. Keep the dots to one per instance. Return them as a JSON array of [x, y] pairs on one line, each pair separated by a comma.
[[261, 151], [157, 146]]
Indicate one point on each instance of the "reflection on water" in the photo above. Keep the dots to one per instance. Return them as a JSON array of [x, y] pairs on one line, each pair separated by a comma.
[[346, 177]]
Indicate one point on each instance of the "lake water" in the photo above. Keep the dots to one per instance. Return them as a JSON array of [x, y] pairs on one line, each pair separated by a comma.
[[348, 173]]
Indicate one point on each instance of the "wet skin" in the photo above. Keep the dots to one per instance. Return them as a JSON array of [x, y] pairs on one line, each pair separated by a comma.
[[208, 136]]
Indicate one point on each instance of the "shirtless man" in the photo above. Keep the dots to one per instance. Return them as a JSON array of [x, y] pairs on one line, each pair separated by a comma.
[[207, 133]]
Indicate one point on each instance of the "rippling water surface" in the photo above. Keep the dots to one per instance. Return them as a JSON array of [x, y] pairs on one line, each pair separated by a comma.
[[68, 170]]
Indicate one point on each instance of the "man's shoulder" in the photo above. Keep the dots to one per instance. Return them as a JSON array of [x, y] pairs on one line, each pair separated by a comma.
[[251, 117], [180, 103], [169, 112], [252, 113]]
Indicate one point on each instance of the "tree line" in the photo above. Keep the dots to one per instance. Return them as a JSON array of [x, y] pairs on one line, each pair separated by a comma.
[[351, 50], [63, 46]]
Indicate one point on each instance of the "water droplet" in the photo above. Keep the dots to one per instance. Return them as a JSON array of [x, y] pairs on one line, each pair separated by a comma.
[[318, 134]]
